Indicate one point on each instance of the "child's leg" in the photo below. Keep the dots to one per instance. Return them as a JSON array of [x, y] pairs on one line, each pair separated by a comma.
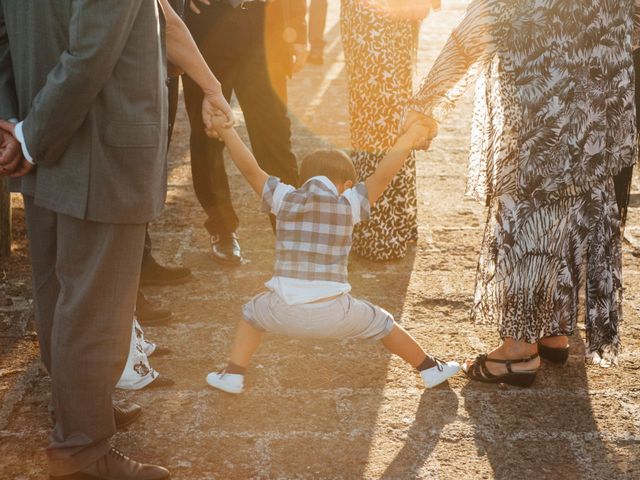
[[245, 343], [432, 370], [402, 344]]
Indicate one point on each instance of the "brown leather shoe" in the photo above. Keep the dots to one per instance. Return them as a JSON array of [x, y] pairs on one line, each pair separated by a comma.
[[117, 466]]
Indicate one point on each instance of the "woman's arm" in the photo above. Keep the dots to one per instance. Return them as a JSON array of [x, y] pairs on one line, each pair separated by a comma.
[[183, 52], [471, 42]]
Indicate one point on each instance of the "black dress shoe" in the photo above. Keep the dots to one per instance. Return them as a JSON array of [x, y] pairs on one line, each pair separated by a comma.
[[124, 414], [226, 249], [155, 274], [148, 315], [117, 466]]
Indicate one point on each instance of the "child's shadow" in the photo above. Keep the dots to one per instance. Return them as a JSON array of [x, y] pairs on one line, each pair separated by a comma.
[[438, 407]]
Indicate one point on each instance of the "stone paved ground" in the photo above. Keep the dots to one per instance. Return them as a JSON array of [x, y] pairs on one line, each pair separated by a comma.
[[345, 410]]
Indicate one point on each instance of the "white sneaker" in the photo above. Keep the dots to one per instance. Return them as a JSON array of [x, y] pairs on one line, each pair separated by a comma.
[[441, 372], [227, 382]]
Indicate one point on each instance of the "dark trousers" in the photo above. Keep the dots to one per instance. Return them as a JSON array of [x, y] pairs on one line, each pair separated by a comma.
[[174, 96], [232, 42], [317, 23], [85, 277]]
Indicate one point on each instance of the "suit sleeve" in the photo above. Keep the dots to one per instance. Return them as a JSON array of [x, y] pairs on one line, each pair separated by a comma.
[[98, 33], [8, 97]]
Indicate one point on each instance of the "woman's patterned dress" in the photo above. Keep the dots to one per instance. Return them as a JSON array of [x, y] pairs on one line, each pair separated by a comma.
[[554, 121], [380, 55]]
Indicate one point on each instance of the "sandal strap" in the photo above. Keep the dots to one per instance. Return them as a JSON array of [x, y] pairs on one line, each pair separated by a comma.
[[509, 362], [480, 366]]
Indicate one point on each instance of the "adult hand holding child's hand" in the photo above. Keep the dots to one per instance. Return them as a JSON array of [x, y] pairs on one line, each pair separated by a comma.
[[217, 123], [421, 131]]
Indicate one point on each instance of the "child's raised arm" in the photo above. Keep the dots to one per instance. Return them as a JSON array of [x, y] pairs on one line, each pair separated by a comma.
[[241, 155], [417, 134]]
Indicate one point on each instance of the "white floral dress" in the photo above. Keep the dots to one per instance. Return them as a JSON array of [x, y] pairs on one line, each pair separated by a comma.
[[380, 52]]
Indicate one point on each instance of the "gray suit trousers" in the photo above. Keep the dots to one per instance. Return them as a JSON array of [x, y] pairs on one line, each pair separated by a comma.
[[85, 278]]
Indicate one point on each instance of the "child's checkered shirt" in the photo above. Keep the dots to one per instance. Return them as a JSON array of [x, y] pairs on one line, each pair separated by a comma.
[[314, 227]]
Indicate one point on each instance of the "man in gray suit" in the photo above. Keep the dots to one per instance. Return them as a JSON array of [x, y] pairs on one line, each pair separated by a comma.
[[86, 81]]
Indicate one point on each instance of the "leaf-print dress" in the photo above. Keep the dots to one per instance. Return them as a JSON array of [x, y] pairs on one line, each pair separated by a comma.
[[554, 121]]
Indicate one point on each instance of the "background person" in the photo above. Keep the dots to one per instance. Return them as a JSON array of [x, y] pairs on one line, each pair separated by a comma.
[[252, 46], [380, 40]]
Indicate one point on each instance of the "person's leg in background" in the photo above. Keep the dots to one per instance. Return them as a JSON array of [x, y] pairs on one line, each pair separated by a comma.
[[317, 23], [267, 121], [218, 30], [261, 89], [153, 273]]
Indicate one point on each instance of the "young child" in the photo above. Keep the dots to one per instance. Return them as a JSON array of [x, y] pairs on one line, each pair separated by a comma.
[[308, 296]]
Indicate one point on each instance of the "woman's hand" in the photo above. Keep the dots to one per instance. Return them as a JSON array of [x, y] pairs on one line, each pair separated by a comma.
[[417, 122]]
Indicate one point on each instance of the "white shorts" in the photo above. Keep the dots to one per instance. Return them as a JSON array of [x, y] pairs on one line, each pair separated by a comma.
[[340, 318]]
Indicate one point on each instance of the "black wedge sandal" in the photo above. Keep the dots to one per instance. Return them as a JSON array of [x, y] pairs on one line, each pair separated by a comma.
[[478, 371], [554, 355]]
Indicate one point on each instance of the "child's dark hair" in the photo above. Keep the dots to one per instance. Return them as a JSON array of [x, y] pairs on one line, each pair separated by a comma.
[[333, 164]]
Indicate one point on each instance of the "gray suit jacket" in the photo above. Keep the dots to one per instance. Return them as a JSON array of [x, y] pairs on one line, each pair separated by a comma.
[[87, 77]]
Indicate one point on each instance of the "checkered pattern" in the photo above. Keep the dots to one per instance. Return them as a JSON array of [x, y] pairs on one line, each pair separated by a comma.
[[314, 226]]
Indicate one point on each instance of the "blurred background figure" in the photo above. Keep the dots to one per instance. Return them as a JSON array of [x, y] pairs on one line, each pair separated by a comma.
[[252, 47], [380, 44], [317, 23]]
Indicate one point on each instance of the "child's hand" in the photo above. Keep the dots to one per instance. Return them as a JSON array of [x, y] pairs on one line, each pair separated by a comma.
[[218, 123], [419, 134]]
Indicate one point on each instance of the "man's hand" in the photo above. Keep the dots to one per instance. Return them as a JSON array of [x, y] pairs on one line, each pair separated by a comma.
[[300, 53], [12, 163], [194, 8]]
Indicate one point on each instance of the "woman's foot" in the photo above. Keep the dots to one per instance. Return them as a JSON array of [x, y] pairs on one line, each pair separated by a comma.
[[510, 350]]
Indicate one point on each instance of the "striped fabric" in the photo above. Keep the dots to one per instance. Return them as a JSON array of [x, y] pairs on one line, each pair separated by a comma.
[[314, 227]]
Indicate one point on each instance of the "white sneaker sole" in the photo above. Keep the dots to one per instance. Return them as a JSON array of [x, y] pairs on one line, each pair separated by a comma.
[[215, 381], [434, 377]]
